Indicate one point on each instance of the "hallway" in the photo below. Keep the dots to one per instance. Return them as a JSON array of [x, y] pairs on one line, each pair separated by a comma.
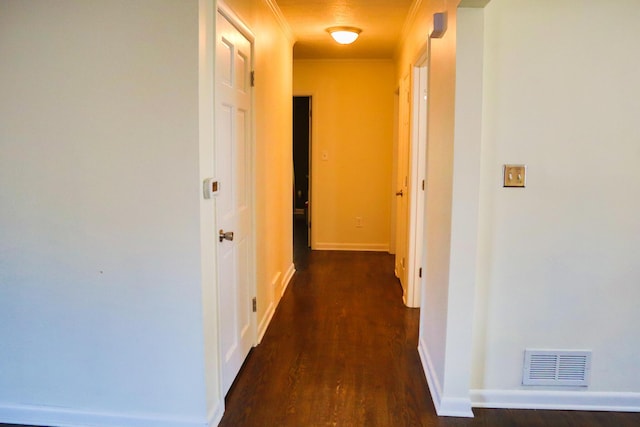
[[341, 351]]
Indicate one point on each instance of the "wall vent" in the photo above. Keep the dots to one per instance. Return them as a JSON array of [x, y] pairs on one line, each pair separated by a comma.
[[556, 367]]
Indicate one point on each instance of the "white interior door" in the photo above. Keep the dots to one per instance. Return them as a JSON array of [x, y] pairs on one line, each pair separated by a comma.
[[233, 205], [417, 173]]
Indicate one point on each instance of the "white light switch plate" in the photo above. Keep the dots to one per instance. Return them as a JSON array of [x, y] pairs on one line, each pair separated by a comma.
[[514, 175]]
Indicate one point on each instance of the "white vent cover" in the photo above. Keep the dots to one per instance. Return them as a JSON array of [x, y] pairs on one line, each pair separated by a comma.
[[556, 367]]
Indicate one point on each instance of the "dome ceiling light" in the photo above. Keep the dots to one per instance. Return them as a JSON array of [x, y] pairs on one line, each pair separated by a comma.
[[344, 35]]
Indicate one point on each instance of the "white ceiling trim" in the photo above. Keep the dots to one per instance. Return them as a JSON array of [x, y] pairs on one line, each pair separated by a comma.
[[473, 3], [282, 21], [409, 20]]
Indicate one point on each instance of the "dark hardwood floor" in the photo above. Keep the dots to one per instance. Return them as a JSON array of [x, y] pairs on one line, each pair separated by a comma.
[[341, 351]]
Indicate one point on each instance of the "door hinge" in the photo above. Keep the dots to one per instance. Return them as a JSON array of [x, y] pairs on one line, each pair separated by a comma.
[[420, 272], [423, 185], [253, 78], [254, 304]]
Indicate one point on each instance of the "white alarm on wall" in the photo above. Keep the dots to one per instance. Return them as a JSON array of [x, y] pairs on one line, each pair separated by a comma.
[[210, 188]]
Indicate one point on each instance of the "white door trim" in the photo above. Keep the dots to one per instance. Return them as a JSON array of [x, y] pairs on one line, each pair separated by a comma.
[[237, 22], [417, 167]]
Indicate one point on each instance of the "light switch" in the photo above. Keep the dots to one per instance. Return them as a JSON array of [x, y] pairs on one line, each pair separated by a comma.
[[514, 175]]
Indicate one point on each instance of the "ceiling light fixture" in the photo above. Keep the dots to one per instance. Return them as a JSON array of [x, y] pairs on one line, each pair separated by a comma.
[[344, 35]]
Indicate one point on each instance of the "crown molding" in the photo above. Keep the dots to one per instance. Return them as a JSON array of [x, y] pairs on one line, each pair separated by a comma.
[[282, 21], [409, 20]]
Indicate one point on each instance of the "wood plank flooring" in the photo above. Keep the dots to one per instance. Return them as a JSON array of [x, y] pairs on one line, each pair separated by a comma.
[[341, 351]]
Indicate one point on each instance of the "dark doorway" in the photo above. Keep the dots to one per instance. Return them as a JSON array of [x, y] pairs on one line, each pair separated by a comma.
[[301, 176]]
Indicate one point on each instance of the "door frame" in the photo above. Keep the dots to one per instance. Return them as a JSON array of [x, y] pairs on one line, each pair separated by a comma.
[[235, 20], [310, 160], [418, 143]]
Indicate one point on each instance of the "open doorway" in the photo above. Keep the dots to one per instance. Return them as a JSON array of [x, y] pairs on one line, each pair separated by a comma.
[[301, 180]]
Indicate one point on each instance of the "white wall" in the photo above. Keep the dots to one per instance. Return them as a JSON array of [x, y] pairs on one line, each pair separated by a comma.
[[446, 306], [208, 229], [560, 259], [464, 207], [100, 297]]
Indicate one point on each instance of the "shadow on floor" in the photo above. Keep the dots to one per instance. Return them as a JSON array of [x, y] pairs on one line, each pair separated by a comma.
[[301, 248]]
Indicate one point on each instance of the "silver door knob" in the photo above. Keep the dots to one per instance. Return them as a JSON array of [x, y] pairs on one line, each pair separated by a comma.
[[228, 235], [400, 193]]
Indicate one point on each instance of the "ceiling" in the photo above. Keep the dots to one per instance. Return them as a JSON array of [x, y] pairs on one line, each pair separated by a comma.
[[381, 22]]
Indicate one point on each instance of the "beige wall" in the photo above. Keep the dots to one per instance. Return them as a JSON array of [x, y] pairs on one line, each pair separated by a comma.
[[353, 129]]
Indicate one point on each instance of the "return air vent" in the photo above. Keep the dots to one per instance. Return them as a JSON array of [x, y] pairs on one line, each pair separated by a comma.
[[556, 367]]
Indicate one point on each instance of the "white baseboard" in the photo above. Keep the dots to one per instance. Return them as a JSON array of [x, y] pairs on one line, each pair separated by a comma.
[[561, 400], [367, 247], [429, 372], [455, 407], [215, 415], [66, 417], [264, 323], [445, 406], [287, 278], [280, 286], [271, 309]]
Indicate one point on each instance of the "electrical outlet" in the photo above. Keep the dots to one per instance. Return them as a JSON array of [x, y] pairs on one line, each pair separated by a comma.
[[359, 222]]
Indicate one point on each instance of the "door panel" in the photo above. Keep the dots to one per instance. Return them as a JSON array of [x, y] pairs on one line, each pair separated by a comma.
[[233, 205]]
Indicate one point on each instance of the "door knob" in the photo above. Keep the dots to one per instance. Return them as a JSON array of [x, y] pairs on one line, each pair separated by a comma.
[[400, 193], [222, 235]]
